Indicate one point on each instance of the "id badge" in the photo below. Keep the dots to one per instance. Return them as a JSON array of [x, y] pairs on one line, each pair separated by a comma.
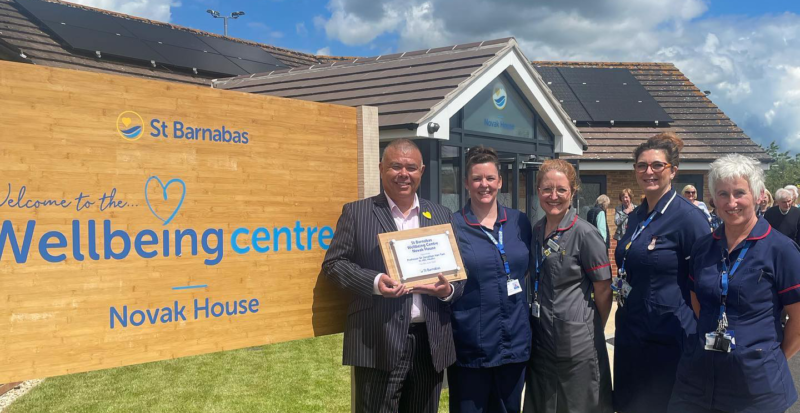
[[535, 309], [723, 342], [513, 287], [553, 245], [621, 286]]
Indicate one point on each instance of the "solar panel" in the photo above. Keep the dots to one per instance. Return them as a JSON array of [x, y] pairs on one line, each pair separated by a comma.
[[592, 92], [624, 110], [61, 13], [596, 75], [91, 31], [602, 95], [94, 41], [165, 35], [240, 50], [210, 62]]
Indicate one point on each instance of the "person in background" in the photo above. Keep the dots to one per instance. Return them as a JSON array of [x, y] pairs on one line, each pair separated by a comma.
[[569, 370], [597, 217], [690, 192], [795, 192], [765, 203], [399, 342], [783, 216], [491, 326], [622, 211], [655, 317], [716, 221], [737, 362]]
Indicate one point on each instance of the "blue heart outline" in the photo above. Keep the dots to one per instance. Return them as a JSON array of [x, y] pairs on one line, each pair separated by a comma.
[[170, 182]]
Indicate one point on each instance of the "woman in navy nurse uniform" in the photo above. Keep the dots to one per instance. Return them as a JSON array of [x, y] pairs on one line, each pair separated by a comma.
[[490, 321], [654, 317], [742, 276]]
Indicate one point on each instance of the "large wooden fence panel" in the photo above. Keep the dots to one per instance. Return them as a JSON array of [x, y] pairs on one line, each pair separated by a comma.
[[114, 237]]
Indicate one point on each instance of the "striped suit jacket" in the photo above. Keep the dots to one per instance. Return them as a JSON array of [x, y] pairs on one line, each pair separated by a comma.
[[376, 328]]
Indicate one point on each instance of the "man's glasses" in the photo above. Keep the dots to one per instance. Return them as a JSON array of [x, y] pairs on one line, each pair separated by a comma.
[[657, 167]]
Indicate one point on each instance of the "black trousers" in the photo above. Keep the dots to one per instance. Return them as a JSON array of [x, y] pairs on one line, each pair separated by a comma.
[[413, 386]]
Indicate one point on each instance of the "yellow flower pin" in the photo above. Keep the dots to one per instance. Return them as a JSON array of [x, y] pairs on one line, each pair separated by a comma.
[[426, 214]]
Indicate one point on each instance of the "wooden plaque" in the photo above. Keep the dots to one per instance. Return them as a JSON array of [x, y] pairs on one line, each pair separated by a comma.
[[420, 240]]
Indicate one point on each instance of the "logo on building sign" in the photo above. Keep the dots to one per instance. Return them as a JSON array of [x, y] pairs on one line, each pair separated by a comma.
[[499, 97], [130, 125]]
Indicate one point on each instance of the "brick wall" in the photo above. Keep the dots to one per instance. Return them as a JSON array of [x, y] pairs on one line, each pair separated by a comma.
[[616, 181]]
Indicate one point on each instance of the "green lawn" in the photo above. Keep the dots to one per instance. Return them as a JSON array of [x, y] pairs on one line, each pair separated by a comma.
[[299, 376]]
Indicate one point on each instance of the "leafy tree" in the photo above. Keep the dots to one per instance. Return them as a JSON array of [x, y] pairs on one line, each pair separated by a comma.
[[784, 171]]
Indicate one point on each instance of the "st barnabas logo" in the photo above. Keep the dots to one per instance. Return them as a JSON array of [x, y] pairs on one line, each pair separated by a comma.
[[130, 125], [499, 97]]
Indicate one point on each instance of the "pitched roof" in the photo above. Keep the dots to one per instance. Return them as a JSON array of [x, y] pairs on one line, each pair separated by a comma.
[[707, 132], [404, 86], [23, 39]]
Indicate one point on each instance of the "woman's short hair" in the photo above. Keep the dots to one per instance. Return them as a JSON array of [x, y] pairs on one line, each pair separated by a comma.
[[478, 155], [734, 166], [668, 142], [603, 201], [562, 166], [688, 187], [628, 192], [783, 194], [768, 196]]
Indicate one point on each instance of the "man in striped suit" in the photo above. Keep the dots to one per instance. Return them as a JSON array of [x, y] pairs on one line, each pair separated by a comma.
[[398, 341]]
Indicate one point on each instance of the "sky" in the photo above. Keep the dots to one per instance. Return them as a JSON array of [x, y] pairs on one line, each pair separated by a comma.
[[744, 51]]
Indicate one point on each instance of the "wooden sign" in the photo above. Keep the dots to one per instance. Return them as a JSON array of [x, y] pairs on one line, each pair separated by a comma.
[[417, 256], [144, 220]]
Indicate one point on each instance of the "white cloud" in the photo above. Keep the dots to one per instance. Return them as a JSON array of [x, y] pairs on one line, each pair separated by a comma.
[[264, 32], [325, 51], [159, 10], [301, 30], [750, 64]]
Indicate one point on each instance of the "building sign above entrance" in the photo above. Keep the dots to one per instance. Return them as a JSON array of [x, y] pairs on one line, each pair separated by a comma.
[[500, 110]]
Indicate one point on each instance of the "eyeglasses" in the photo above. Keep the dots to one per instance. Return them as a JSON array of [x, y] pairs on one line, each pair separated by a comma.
[[656, 166], [690, 192], [561, 192]]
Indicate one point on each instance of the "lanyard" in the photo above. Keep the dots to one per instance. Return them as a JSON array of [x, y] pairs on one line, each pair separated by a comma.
[[723, 317], [636, 233], [540, 263], [501, 248]]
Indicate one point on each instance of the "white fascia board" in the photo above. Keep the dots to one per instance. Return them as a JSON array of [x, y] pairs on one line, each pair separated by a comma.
[[567, 138], [392, 134], [628, 166]]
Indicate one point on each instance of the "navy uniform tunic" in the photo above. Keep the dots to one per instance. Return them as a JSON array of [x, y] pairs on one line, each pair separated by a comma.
[[569, 369], [490, 328], [657, 317], [753, 377]]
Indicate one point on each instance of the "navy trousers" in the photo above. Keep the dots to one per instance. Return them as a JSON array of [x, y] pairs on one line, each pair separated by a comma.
[[486, 390]]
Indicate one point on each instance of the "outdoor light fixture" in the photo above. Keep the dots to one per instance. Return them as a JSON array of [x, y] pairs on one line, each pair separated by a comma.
[[433, 127], [215, 14]]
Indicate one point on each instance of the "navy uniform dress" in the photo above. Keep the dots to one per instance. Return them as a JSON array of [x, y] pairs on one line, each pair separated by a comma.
[[490, 328], [569, 370], [657, 317], [754, 376]]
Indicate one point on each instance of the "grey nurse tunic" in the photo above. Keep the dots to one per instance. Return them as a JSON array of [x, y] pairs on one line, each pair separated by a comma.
[[569, 369]]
